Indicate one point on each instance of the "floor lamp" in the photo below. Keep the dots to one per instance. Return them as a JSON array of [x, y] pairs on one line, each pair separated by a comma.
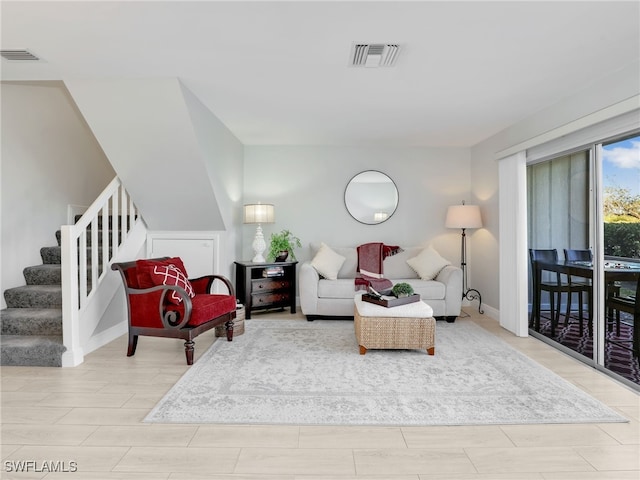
[[258, 213], [465, 216]]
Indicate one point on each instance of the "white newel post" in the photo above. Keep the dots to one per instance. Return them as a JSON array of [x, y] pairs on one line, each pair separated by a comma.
[[74, 354]]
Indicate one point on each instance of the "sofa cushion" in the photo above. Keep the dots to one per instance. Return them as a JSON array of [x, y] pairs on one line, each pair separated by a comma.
[[428, 289], [327, 262], [207, 307], [396, 266], [428, 263], [350, 254], [344, 288], [340, 288]]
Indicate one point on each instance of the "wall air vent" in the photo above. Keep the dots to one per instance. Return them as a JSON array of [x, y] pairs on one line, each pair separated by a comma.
[[18, 55], [374, 54]]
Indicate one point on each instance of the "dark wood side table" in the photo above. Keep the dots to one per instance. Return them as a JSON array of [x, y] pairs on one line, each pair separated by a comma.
[[257, 289]]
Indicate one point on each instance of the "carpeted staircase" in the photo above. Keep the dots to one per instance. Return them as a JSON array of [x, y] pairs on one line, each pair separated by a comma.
[[31, 325], [32, 322]]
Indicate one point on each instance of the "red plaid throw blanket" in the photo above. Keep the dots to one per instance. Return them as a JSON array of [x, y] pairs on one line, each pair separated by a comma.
[[370, 269]]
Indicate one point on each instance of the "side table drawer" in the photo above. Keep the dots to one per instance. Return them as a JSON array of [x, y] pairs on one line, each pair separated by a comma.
[[269, 285], [261, 299]]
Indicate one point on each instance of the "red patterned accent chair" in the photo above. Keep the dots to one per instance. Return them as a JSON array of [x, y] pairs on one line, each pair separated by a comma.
[[163, 302]]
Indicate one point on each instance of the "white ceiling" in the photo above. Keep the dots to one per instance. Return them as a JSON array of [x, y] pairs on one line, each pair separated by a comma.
[[277, 72]]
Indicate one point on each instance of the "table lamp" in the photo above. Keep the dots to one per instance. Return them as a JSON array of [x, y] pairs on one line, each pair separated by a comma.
[[258, 213]]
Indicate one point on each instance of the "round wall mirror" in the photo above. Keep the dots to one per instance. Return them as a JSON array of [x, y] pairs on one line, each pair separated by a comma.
[[371, 197]]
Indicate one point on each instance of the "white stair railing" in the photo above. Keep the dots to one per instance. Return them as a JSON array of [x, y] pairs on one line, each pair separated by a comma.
[[85, 264]]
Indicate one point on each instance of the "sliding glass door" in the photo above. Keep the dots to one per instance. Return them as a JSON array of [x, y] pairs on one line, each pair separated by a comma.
[[559, 208], [620, 163], [584, 208]]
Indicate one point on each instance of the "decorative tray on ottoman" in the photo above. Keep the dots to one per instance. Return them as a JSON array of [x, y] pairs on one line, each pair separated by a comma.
[[389, 301]]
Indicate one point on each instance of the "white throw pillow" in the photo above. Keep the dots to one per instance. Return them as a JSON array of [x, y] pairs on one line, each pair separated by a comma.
[[428, 263], [327, 262]]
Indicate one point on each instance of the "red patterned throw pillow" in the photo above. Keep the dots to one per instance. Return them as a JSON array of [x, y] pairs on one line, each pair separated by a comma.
[[144, 268], [172, 275]]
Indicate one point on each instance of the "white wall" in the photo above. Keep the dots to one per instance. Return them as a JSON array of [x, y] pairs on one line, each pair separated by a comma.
[[145, 130], [306, 185], [223, 155], [50, 160], [607, 91]]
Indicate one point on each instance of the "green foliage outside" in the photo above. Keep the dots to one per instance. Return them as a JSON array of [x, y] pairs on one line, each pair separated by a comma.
[[622, 239], [620, 206], [621, 223]]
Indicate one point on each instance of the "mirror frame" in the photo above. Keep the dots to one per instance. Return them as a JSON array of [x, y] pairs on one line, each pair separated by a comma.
[[353, 211]]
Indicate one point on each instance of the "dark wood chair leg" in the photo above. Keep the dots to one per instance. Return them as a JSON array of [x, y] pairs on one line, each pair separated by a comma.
[[229, 327], [133, 343], [188, 350], [552, 313], [567, 315], [580, 312]]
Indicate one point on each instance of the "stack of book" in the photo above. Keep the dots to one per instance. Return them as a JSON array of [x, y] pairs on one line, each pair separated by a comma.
[[273, 272]]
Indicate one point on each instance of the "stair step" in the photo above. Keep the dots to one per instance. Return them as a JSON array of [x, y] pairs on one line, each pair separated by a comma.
[[34, 296], [31, 321], [31, 350], [53, 255], [48, 274]]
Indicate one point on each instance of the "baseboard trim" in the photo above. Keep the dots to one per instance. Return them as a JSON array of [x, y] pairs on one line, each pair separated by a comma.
[[106, 336]]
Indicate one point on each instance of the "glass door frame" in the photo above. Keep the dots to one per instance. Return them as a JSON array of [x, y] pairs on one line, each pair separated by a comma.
[[593, 187], [596, 227], [594, 150]]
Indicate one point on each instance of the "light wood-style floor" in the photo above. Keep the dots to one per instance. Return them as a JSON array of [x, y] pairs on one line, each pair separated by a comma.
[[92, 415]]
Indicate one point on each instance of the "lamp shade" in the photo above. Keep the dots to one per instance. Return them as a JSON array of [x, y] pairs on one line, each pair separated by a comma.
[[259, 213], [463, 216]]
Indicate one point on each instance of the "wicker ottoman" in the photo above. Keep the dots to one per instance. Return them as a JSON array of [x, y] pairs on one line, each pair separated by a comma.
[[409, 326]]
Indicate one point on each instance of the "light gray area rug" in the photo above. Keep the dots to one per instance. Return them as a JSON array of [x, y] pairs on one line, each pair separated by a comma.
[[311, 373]]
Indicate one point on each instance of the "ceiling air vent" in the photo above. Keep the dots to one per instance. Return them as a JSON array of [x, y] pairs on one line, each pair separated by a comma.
[[18, 55], [374, 54]]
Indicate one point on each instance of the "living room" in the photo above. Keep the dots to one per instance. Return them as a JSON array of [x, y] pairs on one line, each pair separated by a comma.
[[429, 177], [69, 128], [309, 173]]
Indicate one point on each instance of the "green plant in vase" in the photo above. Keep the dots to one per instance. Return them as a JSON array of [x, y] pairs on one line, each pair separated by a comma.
[[402, 290], [282, 245]]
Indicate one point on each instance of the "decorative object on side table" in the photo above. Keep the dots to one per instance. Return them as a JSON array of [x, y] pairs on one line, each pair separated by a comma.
[[465, 216], [282, 245], [258, 213]]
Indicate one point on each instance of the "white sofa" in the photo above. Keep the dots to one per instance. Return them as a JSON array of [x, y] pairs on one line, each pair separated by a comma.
[[320, 297]]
